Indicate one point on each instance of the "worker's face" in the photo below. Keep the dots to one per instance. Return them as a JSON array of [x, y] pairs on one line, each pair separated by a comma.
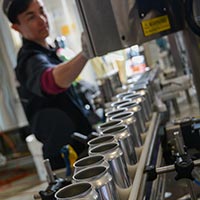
[[33, 23]]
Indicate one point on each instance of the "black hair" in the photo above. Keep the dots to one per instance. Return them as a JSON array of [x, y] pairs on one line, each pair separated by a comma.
[[17, 7]]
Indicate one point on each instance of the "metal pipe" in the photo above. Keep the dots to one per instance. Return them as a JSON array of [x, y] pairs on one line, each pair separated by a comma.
[[179, 143], [138, 189], [171, 168], [50, 175], [165, 169], [153, 141], [193, 50], [149, 153]]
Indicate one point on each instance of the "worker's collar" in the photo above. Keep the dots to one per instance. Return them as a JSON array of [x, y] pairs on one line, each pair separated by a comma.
[[36, 45]]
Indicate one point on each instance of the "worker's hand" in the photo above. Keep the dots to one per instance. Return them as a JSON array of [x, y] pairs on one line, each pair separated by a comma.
[[85, 49]]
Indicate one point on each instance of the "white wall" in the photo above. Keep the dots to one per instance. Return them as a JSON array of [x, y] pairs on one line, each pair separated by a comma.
[[64, 14], [11, 112]]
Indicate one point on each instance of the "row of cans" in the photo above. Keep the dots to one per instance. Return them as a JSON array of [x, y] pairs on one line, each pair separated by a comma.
[[106, 170]]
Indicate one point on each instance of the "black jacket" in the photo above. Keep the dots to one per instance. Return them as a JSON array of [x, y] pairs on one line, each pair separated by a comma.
[[53, 118]]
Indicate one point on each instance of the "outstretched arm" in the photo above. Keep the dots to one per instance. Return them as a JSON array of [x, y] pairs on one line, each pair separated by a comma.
[[65, 73]]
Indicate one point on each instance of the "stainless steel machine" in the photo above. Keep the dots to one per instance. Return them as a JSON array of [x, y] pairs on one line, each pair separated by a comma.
[[116, 24], [113, 24]]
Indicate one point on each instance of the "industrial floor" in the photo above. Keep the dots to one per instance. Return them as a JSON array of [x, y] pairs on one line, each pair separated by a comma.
[[29, 184]]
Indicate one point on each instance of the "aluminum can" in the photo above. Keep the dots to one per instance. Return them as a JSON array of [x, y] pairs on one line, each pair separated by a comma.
[[101, 180], [147, 95], [114, 112], [115, 104], [136, 98], [121, 96], [100, 140], [129, 119], [115, 157], [89, 161], [77, 191], [136, 108], [143, 89], [123, 136], [108, 124]]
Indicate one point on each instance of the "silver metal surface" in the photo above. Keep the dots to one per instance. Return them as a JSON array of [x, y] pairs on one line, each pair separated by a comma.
[[99, 25], [149, 98], [170, 168], [119, 102], [179, 143], [50, 174], [114, 155], [145, 93], [108, 85], [108, 124], [148, 155], [89, 161], [137, 109], [125, 140], [101, 180], [158, 185], [136, 98], [137, 192], [165, 169], [77, 191], [129, 119], [114, 112], [101, 140], [106, 89], [176, 53], [192, 52], [121, 96], [119, 23], [160, 188]]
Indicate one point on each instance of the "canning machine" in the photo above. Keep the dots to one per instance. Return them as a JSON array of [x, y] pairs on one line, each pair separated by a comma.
[[138, 155]]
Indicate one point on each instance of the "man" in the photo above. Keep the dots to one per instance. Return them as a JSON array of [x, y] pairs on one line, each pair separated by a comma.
[[50, 101]]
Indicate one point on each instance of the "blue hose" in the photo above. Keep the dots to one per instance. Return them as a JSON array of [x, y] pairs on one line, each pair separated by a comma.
[[197, 182]]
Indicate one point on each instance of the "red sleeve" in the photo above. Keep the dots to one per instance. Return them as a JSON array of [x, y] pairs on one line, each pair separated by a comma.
[[48, 83]]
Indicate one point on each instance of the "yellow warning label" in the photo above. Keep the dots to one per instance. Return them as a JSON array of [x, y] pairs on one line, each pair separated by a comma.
[[155, 25]]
